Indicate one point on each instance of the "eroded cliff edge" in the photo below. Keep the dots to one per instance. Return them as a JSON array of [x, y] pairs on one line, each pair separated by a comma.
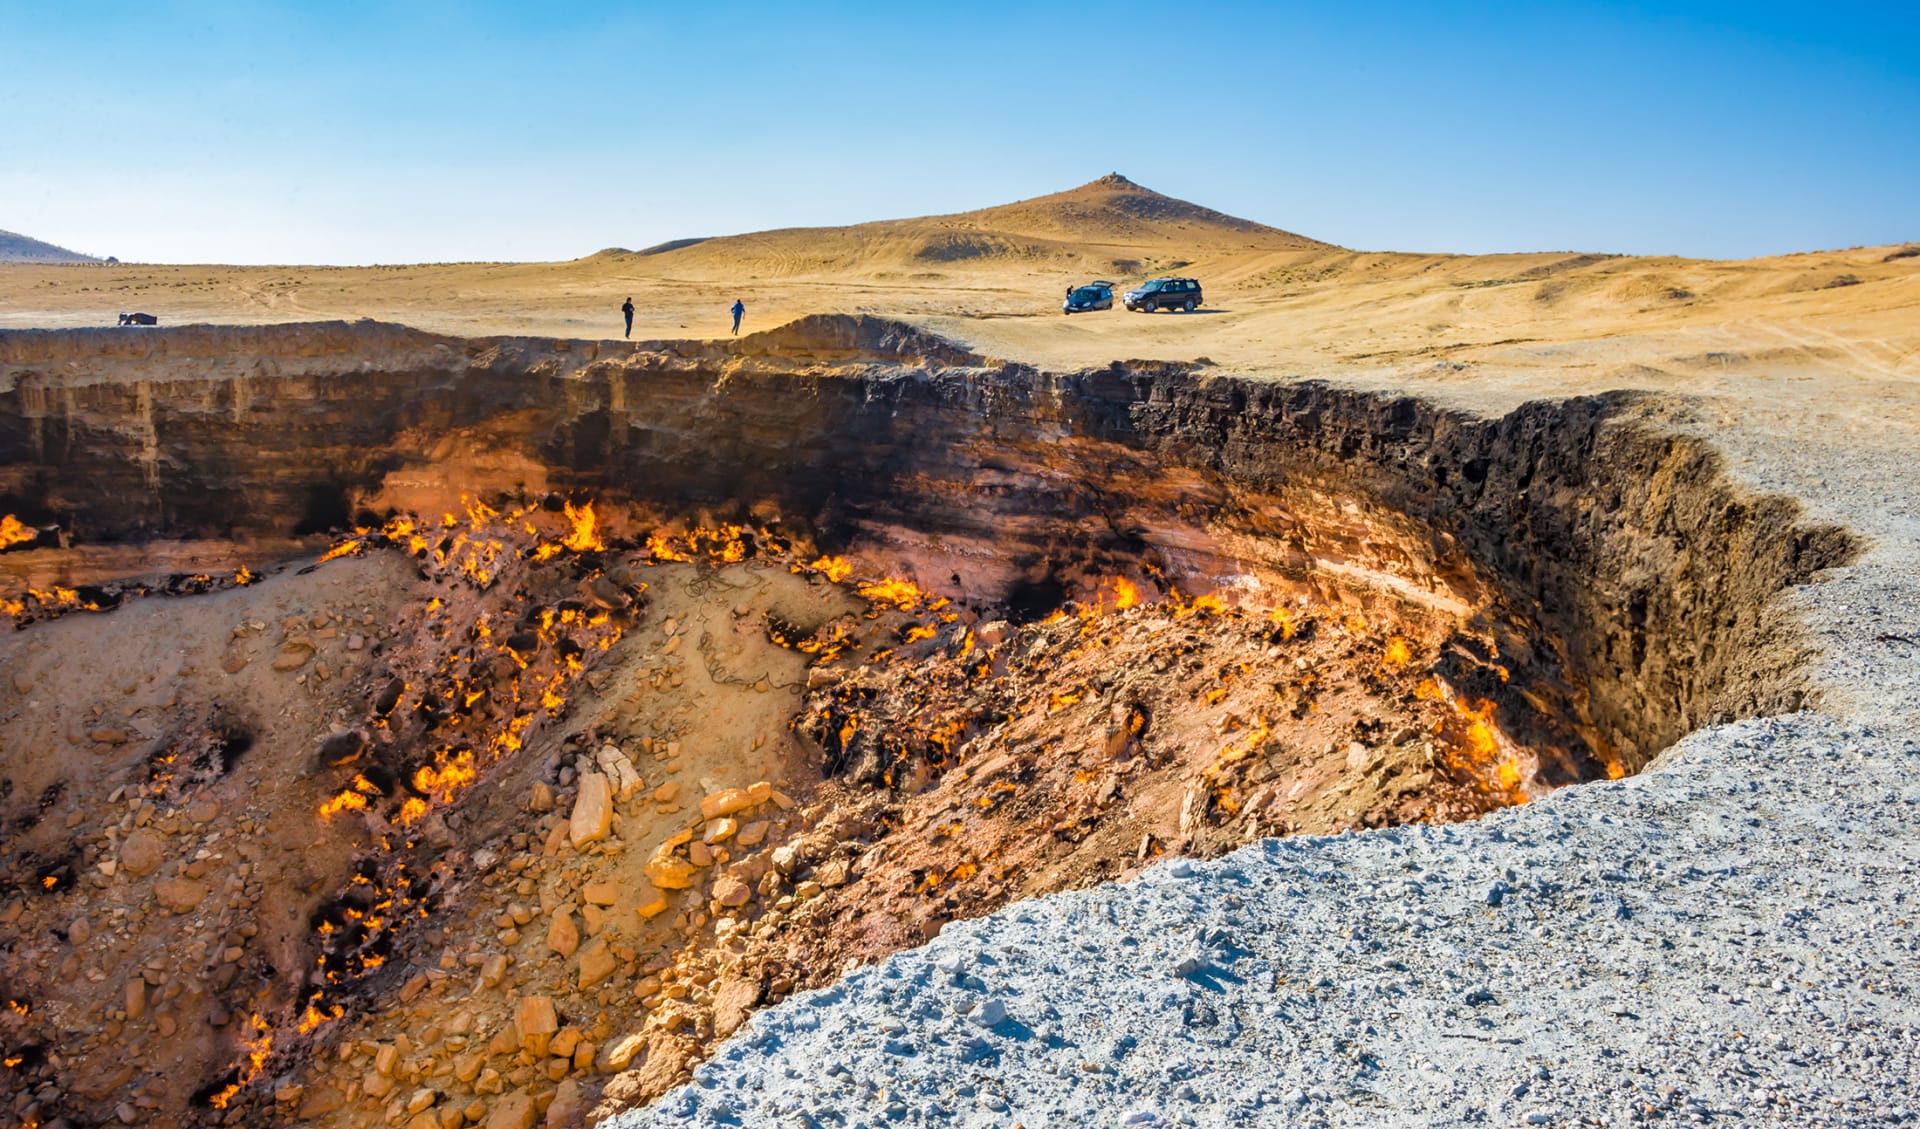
[[1588, 543]]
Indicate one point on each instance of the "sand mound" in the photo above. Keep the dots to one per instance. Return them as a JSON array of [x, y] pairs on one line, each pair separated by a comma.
[[1091, 227]]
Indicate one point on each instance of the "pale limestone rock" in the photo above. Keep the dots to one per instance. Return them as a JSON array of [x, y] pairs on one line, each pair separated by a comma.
[[725, 802], [592, 817], [671, 873], [618, 768], [731, 892], [720, 830]]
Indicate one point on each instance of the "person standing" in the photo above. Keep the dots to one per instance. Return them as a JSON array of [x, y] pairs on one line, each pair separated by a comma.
[[739, 311], [627, 309]]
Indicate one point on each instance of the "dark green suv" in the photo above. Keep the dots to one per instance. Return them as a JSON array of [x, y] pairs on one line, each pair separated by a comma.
[[1164, 294]]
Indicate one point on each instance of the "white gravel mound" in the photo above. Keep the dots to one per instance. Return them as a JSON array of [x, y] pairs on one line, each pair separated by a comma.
[[1727, 939]]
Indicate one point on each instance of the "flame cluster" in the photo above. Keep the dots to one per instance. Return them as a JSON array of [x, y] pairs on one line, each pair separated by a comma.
[[259, 1049], [13, 531], [39, 604]]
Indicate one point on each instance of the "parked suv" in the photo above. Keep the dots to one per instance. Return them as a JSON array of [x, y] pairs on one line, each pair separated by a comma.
[[1164, 294], [1096, 295]]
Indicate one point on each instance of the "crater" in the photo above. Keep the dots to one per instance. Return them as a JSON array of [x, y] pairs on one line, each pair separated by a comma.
[[886, 633]]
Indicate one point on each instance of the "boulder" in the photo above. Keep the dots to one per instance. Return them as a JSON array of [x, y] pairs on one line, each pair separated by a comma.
[[731, 892], [652, 904], [562, 936], [658, 1073], [621, 1052], [619, 770], [143, 852], [733, 1001], [568, 1109], [670, 872], [596, 964], [592, 818], [725, 802], [179, 895], [514, 1111], [537, 1022]]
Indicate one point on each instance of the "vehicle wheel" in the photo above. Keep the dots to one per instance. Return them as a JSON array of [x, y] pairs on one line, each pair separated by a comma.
[[1150, 307], [1188, 306]]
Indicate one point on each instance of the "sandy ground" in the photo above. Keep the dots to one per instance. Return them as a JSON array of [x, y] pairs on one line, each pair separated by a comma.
[[1494, 329]]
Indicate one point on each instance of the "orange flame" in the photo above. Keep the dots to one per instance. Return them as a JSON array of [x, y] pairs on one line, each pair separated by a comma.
[[349, 547], [13, 531], [836, 568], [1283, 619], [584, 536], [259, 1048], [904, 595], [661, 549]]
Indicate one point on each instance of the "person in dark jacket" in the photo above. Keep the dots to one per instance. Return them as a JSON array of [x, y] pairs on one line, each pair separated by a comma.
[[627, 309], [739, 311]]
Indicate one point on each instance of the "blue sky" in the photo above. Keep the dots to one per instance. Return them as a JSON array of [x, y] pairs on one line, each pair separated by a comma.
[[355, 132]]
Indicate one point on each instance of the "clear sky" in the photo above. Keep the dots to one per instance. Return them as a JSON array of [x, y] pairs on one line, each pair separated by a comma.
[[357, 131]]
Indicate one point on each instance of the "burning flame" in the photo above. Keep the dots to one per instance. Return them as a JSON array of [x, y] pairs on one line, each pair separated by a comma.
[[13, 531], [259, 1048], [353, 799], [350, 547], [1398, 653], [584, 537], [836, 569], [314, 1017]]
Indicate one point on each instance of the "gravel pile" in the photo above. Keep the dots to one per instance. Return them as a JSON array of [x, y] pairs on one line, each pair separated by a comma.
[[1728, 938]]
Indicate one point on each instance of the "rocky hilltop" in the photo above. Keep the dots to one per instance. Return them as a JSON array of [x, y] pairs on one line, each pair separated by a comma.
[[17, 248]]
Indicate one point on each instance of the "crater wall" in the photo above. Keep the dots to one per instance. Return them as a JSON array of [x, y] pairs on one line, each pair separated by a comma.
[[1623, 578]]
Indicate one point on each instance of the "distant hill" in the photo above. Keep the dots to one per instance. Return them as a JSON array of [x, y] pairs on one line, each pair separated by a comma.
[[1107, 224], [16, 248]]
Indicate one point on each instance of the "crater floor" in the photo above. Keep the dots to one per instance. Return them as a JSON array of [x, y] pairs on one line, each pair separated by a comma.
[[1728, 932]]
